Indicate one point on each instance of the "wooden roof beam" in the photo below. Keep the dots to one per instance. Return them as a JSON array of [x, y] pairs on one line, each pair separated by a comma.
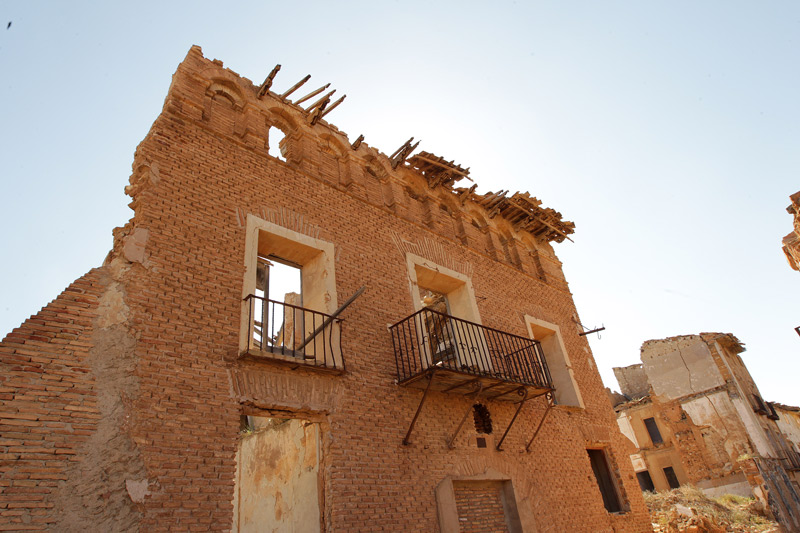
[[268, 81]]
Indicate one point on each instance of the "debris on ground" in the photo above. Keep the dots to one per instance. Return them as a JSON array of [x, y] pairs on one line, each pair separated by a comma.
[[689, 510]]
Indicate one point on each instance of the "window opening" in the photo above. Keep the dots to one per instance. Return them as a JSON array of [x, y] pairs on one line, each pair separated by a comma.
[[605, 481], [760, 408], [672, 479], [440, 338], [645, 481], [279, 281], [482, 419], [558, 363], [652, 429], [773, 415], [277, 143]]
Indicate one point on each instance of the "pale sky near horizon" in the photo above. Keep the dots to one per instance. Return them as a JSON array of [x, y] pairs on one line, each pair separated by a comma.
[[667, 131]]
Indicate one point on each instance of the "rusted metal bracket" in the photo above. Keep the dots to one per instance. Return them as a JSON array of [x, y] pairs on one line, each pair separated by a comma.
[[522, 391], [550, 399], [478, 390], [406, 440], [595, 330], [587, 331], [331, 318]]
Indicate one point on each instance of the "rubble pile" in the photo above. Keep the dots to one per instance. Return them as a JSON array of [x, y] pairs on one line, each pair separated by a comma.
[[688, 510]]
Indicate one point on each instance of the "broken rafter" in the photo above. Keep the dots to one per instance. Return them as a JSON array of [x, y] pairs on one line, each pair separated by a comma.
[[317, 113], [312, 94], [494, 206], [268, 81], [464, 194], [296, 86], [333, 106], [452, 168], [324, 100], [408, 142], [404, 153]]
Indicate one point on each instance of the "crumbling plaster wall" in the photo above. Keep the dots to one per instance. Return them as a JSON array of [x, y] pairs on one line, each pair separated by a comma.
[[791, 243], [718, 416], [632, 381], [68, 378], [789, 424], [277, 474], [694, 370], [679, 367]]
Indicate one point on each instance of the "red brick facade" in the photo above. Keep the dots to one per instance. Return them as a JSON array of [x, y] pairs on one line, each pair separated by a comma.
[[121, 400]]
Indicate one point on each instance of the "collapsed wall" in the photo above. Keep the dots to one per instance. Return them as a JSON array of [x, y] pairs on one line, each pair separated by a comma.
[[706, 423]]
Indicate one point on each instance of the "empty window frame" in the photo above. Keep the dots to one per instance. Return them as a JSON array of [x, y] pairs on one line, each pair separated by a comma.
[[446, 293], [652, 430], [605, 480], [645, 481], [555, 353], [672, 479], [759, 406], [440, 335], [287, 270], [280, 325]]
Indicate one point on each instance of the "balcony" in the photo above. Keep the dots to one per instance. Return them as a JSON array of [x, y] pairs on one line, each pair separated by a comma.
[[435, 351], [286, 334]]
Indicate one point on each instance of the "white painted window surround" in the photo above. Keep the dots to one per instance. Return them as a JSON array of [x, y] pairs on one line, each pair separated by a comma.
[[555, 353]]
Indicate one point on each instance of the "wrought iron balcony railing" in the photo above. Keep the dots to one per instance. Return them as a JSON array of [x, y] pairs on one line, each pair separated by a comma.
[[290, 334], [429, 341]]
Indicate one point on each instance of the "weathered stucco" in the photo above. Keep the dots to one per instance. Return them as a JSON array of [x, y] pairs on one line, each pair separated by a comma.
[[718, 433], [632, 381], [680, 367], [278, 478]]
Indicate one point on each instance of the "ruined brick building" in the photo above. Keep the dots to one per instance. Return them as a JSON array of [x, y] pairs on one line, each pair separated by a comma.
[[696, 416], [791, 243], [203, 378]]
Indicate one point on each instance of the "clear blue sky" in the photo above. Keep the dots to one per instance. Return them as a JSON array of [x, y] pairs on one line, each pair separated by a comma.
[[667, 131]]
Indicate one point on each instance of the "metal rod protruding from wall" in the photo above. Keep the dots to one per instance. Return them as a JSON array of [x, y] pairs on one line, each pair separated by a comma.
[[591, 331], [522, 391], [406, 440], [541, 422], [332, 317], [478, 389]]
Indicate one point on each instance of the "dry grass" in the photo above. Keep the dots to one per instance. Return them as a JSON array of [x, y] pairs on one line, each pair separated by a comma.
[[726, 513]]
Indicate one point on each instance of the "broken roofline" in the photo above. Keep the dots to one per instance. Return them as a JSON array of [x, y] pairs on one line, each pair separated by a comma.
[[521, 210]]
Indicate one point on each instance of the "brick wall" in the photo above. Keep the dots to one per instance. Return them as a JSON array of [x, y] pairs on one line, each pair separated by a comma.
[[480, 507], [173, 296]]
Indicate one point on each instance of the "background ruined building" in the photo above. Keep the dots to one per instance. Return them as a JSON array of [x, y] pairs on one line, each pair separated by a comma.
[[181, 386], [695, 415], [791, 243]]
